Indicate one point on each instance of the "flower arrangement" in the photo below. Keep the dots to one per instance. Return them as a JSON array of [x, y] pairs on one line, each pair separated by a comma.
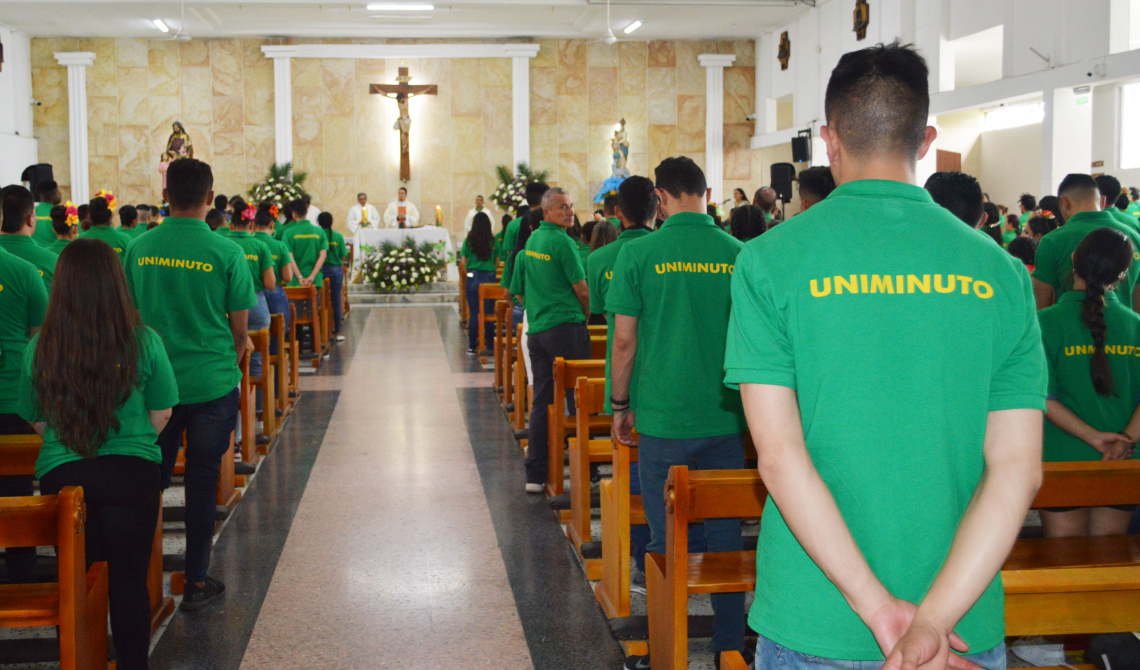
[[406, 267], [112, 203], [281, 186], [72, 214], [511, 193]]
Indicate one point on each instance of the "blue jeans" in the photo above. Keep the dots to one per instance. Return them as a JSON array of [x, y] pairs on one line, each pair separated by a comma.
[[208, 426], [258, 320], [639, 533], [725, 452], [773, 656], [335, 275], [474, 279], [516, 316]]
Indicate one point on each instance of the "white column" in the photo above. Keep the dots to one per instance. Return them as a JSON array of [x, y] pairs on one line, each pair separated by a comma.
[[714, 65], [283, 108], [520, 100], [77, 63]]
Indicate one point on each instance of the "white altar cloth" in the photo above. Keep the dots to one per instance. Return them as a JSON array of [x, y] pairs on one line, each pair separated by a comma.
[[368, 237]]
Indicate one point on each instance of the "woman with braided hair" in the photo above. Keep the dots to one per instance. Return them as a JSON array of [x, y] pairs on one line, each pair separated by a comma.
[[1092, 345]]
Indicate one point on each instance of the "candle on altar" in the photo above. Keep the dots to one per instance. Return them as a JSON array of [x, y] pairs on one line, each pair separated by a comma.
[[438, 215]]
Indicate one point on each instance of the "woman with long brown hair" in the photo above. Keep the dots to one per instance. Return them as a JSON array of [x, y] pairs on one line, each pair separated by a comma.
[[98, 386]]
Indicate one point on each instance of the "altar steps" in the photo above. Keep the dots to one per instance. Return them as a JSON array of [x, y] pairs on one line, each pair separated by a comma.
[[437, 293]]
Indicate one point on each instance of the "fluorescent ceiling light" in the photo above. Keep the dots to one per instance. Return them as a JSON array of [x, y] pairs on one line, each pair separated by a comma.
[[161, 26], [632, 27], [402, 18], [401, 8]]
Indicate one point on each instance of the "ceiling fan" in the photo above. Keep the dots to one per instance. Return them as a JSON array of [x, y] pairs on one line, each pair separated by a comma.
[[609, 37], [181, 35]]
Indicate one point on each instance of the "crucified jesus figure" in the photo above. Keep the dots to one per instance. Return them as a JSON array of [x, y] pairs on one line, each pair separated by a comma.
[[400, 92]]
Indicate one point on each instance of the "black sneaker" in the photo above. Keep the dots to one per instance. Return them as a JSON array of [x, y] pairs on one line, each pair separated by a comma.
[[195, 598], [637, 662]]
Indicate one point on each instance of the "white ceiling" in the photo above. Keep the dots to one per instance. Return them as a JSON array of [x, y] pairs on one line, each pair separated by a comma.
[[662, 19]]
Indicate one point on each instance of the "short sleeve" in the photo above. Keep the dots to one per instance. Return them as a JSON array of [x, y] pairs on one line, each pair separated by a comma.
[[27, 406], [161, 390], [571, 262], [1020, 380], [1045, 262], [517, 281], [265, 258], [324, 242], [37, 298], [624, 294], [239, 294], [594, 280], [757, 348]]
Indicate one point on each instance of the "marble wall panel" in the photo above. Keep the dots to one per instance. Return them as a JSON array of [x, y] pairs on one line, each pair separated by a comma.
[[544, 149], [229, 174], [467, 144], [547, 53], [228, 116], [572, 177], [690, 123], [225, 64], [338, 141], [600, 54], [465, 187], [661, 100], [49, 86], [495, 72], [229, 144], [603, 95], [134, 95], [632, 57], [258, 99], [162, 68], [662, 143], [738, 151], [690, 74], [134, 155], [573, 123], [103, 109], [197, 96], [599, 159], [166, 109], [662, 54], [102, 139], [497, 121], [195, 53], [305, 73], [739, 93], [465, 88], [543, 87], [102, 173], [131, 52], [338, 81], [572, 67], [44, 49], [102, 75]]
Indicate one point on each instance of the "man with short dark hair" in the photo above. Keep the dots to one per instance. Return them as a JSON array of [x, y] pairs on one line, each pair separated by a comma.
[[670, 299], [765, 199], [1110, 189], [885, 539], [17, 229], [129, 220], [195, 289], [401, 213], [144, 218], [1082, 207], [959, 193], [308, 244], [533, 196], [551, 284], [609, 209], [47, 196], [1028, 204], [816, 183]]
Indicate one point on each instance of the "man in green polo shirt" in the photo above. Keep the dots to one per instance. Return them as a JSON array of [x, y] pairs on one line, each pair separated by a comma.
[[307, 243], [1110, 190], [48, 196], [101, 228], [18, 228], [129, 222], [533, 194], [551, 285], [872, 447], [670, 299], [195, 289], [1082, 207], [1028, 204]]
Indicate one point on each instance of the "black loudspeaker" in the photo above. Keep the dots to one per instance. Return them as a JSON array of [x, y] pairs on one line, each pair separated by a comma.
[[783, 174], [801, 149], [34, 174]]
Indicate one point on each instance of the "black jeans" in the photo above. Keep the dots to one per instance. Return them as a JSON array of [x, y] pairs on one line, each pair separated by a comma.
[[20, 561], [570, 341], [208, 426], [122, 497]]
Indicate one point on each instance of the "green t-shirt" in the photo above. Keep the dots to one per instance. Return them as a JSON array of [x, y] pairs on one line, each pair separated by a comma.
[[897, 356], [257, 255], [1054, 259], [305, 241], [44, 234], [278, 251], [185, 281], [25, 247], [155, 389], [473, 261], [57, 246], [1133, 209], [583, 251], [118, 241], [1122, 217], [133, 232], [546, 280], [337, 251], [1024, 218], [599, 272], [281, 228], [1007, 237], [677, 282], [1068, 350], [510, 239], [223, 230], [23, 303]]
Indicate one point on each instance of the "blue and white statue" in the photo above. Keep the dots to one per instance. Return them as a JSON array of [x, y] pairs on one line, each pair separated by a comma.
[[620, 146]]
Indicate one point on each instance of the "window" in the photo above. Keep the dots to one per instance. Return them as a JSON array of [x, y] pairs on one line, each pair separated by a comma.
[[1015, 116], [1129, 133]]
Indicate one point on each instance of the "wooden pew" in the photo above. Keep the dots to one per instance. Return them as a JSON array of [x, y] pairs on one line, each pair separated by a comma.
[[247, 413], [598, 347], [78, 603], [732, 660], [464, 309], [325, 306], [305, 297], [502, 321], [280, 363], [486, 292], [264, 382], [597, 330], [566, 374], [521, 395], [590, 397]]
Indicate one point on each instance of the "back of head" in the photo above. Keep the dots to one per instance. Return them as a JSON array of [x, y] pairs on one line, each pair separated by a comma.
[[221, 202], [99, 211], [59, 220], [143, 208], [481, 239], [1122, 202], [1109, 187], [128, 216], [747, 222], [1052, 204], [263, 220], [325, 220], [307, 199], [1133, 193], [679, 175], [1027, 202], [959, 193], [588, 230], [765, 198], [215, 218], [1101, 260], [1081, 191], [506, 220], [534, 192], [608, 204], [298, 209], [878, 100], [1024, 249], [604, 233], [188, 182], [90, 306], [18, 205], [1042, 224], [816, 183], [638, 200], [45, 189]]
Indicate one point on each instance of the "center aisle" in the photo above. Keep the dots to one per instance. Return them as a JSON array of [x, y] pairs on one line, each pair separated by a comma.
[[392, 559]]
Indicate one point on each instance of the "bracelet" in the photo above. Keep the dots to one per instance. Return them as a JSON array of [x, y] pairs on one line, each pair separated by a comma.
[[619, 405]]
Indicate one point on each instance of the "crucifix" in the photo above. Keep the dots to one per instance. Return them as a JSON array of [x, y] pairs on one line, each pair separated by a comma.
[[400, 92]]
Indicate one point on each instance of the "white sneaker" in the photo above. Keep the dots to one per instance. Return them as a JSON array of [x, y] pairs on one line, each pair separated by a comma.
[[534, 488], [1038, 651], [340, 338]]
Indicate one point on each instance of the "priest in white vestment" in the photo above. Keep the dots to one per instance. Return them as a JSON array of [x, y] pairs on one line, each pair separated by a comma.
[[471, 215], [363, 215], [401, 208]]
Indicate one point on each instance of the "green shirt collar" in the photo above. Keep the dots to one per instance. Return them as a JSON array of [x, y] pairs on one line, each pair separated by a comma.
[[635, 231], [689, 219], [17, 240], [614, 220], [552, 226], [239, 234], [883, 188], [1078, 296], [1089, 217], [179, 221]]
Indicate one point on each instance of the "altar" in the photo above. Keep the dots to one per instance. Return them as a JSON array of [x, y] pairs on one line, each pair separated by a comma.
[[368, 239]]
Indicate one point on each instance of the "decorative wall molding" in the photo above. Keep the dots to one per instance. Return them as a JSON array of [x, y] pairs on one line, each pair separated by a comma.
[[77, 63]]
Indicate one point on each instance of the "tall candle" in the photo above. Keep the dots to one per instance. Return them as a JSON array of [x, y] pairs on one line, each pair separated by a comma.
[[438, 215]]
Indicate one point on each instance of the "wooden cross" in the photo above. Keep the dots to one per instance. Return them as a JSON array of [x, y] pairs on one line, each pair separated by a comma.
[[400, 92]]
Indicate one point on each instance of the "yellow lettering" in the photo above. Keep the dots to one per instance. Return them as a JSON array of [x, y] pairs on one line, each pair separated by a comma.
[[913, 281], [1108, 349], [863, 283], [1069, 351], [660, 267], [949, 288], [715, 268], [610, 274], [671, 267], [164, 261], [983, 290], [687, 267], [731, 268], [826, 288], [882, 284], [206, 267], [702, 267], [965, 284], [841, 283]]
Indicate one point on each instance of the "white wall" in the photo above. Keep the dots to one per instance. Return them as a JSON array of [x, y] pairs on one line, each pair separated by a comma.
[[961, 132], [1011, 164], [17, 146]]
